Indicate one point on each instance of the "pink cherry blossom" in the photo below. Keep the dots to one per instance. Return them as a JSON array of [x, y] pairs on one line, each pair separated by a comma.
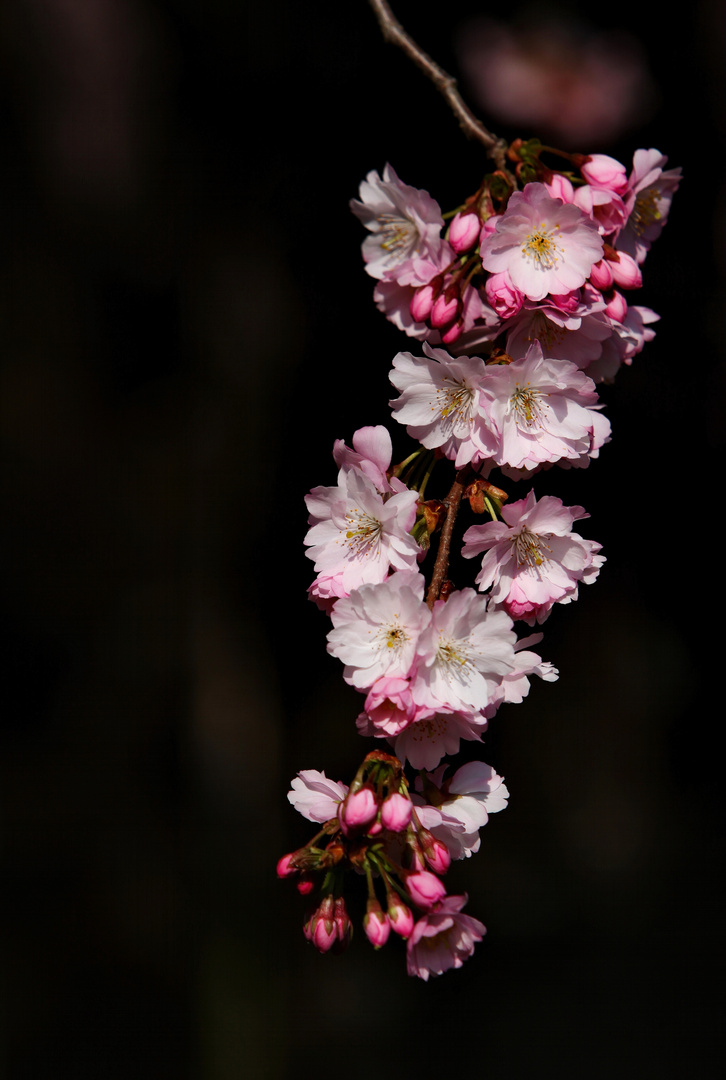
[[463, 654], [315, 796], [371, 454], [626, 340], [533, 559], [424, 743], [648, 199], [514, 687], [390, 707], [404, 222], [356, 536], [462, 806], [546, 410], [546, 245], [444, 404], [376, 629], [444, 938]]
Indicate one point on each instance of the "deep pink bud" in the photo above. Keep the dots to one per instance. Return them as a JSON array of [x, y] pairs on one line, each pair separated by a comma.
[[453, 332], [305, 886], [376, 924], [560, 187], [445, 311], [425, 889], [421, 303], [283, 867], [626, 272], [502, 295], [601, 275], [605, 172], [464, 231], [396, 812], [437, 856], [357, 810], [323, 929], [617, 308], [400, 916]]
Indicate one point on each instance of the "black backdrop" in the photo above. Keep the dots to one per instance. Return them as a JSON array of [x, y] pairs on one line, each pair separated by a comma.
[[185, 327]]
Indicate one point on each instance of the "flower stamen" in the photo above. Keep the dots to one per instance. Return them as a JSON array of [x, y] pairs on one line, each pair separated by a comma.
[[528, 548], [540, 246]]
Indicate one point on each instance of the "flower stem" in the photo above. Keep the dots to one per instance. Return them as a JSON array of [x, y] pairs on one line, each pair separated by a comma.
[[446, 84], [451, 502]]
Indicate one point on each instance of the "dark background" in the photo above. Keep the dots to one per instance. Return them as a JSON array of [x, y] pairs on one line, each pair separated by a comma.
[[185, 328]]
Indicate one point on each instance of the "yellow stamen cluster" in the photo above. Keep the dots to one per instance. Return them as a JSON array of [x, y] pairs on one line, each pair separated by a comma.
[[395, 233], [364, 534], [456, 398], [528, 408], [541, 247]]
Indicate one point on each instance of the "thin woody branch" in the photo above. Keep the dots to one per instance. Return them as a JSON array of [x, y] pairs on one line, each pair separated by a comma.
[[452, 503], [446, 84]]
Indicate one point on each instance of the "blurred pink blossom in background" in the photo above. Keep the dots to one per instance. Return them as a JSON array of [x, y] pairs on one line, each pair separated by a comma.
[[570, 83]]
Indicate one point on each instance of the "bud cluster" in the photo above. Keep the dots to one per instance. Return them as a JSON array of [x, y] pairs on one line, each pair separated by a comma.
[[376, 829]]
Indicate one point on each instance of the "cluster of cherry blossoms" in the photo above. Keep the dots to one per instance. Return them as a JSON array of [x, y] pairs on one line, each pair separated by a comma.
[[531, 273]]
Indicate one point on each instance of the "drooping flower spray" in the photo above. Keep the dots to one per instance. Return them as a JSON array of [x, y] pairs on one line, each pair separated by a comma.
[[516, 311]]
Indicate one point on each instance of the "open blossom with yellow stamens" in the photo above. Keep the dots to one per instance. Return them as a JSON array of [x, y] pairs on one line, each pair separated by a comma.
[[544, 244], [533, 560], [444, 404], [648, 200], [356, 536], [546, 411], [404, 223]]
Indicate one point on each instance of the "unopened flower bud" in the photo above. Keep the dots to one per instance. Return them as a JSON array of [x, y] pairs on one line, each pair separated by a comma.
[[617, 307], [560, 187], [626, 272], [603, 171], [396, 812], [502, 295], [464, 231], [454, 332], [601, 274], [357, 810], [421, 303], [445, 310], [400, 916], [284, 869], [322, 929], [437, 855], [376, 924], [425, 889], [305, 885]]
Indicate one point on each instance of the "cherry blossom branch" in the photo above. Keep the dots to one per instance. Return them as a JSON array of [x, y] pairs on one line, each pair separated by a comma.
[[446, 84], [451, 502]]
